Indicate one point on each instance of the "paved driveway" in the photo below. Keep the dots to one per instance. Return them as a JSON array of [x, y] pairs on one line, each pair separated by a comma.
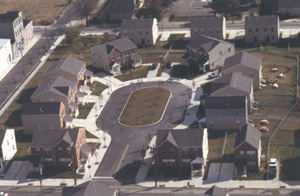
[[127, 143]]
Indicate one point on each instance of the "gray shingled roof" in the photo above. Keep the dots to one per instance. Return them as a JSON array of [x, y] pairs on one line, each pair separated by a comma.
[[242, 59], [67, 64], [236, 81], [233, 102], [208, 43], [248, 134], [41, 108], [207, 21], [49, 137], [180, 138], [9, 16], [256, 21], [59, 86], [137, 23]]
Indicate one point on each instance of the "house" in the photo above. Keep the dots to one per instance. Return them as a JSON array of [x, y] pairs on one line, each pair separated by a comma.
[[179, 148], [142, 32], [247, 64], [47, 115], [112, 56], [262, 29], [5, 54], [288, 7], [121, 9], [211, 26], [247, 148], [209, 53], [58, 89], [8, 147], [28, 31], [60, 147], [234, 84], [69, 68], [226, 113]]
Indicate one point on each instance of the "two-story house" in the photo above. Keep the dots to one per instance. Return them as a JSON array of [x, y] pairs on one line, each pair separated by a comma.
[[226, 113], [247, 64], [247, 149], [58, 89], [69, 67], [47, 115], [178, 148], [262, 29], [212, 26], [61, 146], [142, 32], [288, 7], [5, 54], [234, 84], [112, 56], [8, 147], [209, 53]]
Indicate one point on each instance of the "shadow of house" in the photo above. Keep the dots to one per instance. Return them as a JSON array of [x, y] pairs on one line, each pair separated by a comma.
[[126, 175], [297, 138], [14, 119], [25, 95], [290, 169]]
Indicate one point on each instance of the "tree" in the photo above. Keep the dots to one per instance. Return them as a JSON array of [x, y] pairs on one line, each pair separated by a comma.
[[72, 35], [86, 7], [267, 7]]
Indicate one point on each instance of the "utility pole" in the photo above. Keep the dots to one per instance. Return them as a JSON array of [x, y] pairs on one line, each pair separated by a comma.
[[155, 167], [48, 44], [41, 184]]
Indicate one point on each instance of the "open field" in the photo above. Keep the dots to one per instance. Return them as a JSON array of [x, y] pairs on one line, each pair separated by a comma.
[[145, 106], [40, 11]]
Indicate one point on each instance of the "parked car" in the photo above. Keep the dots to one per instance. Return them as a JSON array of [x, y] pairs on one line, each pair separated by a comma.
[[272, 167], [153, 66], [168, 65], [214, 74]]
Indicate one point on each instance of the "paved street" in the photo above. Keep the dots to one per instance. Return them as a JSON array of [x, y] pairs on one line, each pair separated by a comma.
[[127, 142]]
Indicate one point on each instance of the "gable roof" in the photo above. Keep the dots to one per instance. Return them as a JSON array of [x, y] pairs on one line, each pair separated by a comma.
[[207, 43], [248, 134], [256, 21], [180, 138], [207, 21], [59, 85], [67, 64], [49, 137], [41, 108], [137, 23], [233, 102], [243, 59], [234, 80]]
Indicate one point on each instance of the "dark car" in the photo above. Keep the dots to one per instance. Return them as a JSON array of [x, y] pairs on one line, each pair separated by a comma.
[[168, 65], [153, 66]]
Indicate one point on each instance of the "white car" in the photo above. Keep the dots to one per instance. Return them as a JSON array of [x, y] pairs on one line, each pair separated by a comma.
[[273, 162], [214, 74]]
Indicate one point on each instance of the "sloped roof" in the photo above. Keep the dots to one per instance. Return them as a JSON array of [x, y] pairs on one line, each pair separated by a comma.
[[180, 138], [41, 108], [236, 81], [142, 23], [248, 134], [243, 59], [233, 102], [207, 21], [271, 20], [49, 137], [123, 44], [68, 64]]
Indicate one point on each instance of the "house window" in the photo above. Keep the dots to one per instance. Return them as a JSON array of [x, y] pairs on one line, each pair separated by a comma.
[[229, 49], [195, 30], [273, 37], [251, 153], [172, 150], [266, 29], [147, 32], [13, 147], [60, 149], [37, 149], [185, 151], [141, 32], [272, 29], [242, 153], [163, 151], [238, 123]]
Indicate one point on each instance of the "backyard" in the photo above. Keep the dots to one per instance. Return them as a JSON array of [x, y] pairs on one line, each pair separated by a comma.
[[145, 106], [131, 74]]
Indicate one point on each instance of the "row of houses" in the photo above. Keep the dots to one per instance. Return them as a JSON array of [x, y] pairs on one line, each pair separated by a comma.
[[258, 29], [15, 35]]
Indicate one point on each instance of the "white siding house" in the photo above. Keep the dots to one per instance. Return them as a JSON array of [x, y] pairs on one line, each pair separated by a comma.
[[5, 54], [8, 147]]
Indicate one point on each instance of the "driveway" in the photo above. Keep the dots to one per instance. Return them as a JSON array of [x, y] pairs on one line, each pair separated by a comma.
[[126, 145]]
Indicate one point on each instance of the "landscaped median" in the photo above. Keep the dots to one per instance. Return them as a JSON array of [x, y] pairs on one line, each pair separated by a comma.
[[145, 106]]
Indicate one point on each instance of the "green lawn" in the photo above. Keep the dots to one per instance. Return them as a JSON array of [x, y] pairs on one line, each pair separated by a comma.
[[145, 106], [97, 88], [132, 74], [84, 110], [54, 172]]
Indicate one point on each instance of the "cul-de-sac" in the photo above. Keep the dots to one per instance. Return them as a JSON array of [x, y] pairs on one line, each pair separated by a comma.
[[149, 98]]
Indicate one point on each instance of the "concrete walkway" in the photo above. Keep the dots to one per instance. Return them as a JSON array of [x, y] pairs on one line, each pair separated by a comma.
[[153, 73]]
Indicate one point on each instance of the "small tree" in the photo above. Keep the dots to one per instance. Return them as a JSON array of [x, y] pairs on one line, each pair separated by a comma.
[[85, 8], [72, 35]]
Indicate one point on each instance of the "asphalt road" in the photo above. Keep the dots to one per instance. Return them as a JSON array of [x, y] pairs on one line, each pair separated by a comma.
[[126, 145]]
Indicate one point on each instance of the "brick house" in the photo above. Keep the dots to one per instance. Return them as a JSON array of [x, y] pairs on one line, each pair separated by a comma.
[[142, 32], [47, 115], [226, 113], [8, 147], [209, 53], [58, 89], [178, 148], [247, 148], [234, 84], [212, 26], [112, 56], [247, 64], [61, 146], [262, 29], [69, 67]]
